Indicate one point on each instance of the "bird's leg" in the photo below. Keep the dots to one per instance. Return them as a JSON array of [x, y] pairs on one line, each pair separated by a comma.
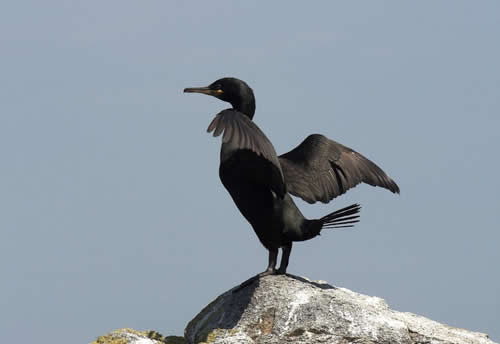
[[287, 249], [271, 270], [271, 267]]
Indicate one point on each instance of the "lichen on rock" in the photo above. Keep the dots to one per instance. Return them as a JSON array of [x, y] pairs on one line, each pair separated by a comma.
[[131, 336], [292, 309]]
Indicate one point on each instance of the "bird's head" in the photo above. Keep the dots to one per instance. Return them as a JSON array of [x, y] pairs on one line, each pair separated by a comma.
[[231, 90]]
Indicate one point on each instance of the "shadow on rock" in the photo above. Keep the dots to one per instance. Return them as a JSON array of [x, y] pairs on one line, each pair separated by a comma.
[[295, 310], [315, 284], [223, 313]]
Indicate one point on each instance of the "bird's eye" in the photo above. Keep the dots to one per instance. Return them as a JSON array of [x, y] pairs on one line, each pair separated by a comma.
[[217, 87]]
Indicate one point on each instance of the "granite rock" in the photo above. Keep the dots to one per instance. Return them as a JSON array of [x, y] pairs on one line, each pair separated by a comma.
[[291, 309]]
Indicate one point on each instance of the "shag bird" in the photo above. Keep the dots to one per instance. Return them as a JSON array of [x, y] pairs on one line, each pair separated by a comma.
[[260, 182]]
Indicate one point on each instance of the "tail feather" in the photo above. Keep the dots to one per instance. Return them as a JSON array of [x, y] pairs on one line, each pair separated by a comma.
[[341, 223], [342, 217], [350, 218]]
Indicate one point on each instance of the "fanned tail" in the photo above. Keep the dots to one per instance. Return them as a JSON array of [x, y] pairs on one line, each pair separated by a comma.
[[345, 217]]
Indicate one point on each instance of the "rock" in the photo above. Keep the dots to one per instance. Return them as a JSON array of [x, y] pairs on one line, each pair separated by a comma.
[[130, 336], [291, 309]]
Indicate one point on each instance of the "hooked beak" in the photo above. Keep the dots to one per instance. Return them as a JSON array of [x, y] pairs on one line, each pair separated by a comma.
[[203, 90]]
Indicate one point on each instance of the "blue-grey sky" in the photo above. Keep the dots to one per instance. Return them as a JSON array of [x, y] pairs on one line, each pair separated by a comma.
[[112, 212]]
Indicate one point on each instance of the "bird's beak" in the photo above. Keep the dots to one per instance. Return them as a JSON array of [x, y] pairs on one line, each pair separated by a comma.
[[204, 90]]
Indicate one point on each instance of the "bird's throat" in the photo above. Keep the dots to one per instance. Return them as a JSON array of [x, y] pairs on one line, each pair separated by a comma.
[[246, 107]]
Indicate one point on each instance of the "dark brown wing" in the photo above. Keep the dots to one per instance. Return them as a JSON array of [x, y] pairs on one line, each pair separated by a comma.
[[241, 133], [320, 169]]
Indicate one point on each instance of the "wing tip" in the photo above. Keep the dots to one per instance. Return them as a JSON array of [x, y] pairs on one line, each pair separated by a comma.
[[393, 187]]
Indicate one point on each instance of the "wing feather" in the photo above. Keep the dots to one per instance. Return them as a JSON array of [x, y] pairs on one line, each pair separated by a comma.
[[320, 169], [241, 133]]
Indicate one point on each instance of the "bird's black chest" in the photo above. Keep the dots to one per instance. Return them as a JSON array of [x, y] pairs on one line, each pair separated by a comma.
[[244, 176]]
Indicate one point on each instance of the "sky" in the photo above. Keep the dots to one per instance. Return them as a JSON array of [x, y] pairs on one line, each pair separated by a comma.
[[112, 213]]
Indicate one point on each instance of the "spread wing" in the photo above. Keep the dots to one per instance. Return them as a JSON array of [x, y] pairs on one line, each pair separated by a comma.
[[240, 133], [320, 169]]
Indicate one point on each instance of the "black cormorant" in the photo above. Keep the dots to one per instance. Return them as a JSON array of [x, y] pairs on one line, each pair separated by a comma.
[[260, 182]]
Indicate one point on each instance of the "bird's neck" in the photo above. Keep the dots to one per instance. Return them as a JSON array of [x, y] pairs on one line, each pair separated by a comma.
[[246, 107]]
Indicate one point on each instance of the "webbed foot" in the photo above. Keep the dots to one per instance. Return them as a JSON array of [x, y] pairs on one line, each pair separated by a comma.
[[269, 271], [281, 271], [252, 279]]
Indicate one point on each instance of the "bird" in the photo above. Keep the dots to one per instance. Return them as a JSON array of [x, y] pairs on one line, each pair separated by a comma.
[[261, 183]]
